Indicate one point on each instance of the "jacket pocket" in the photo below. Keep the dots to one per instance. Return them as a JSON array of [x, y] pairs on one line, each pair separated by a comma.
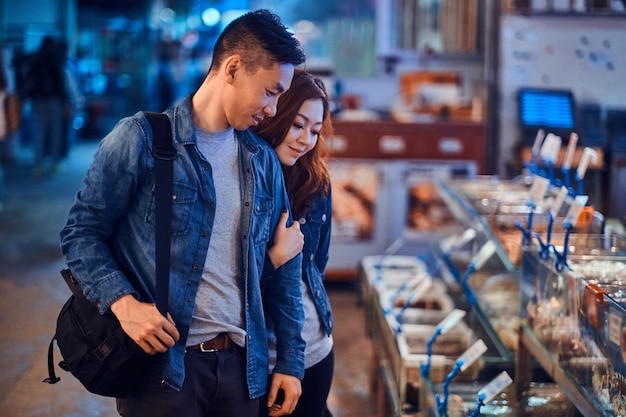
[[262, 220], [313, 230], [183, 201]]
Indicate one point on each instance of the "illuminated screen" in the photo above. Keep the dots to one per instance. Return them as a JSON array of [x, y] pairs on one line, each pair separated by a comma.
[[551, 109]]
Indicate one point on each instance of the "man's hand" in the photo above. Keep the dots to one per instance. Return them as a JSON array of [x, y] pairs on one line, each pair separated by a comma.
[[143, 323], [288, 241], [291, 387]]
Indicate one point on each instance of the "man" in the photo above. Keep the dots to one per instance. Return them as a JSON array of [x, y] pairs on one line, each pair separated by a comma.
[[228, 199], [47, 91]]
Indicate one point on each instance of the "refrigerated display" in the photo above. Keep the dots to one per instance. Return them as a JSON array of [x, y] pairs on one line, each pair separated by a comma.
[[573, 319], [477, 269]]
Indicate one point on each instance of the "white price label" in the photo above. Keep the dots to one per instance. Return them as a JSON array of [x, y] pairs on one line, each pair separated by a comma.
[[555, 149], [571, 148], [558, 201], [538, 190], [483, 254], [589, 155], [545, 151], [450, 320], [574, 211], [538, 141], [615, 328], [420, 290], [470, 355], [551, 147], [495, 387], [456, 241]]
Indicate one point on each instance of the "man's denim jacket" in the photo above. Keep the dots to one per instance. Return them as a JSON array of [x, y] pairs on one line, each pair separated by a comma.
[[109, 239]]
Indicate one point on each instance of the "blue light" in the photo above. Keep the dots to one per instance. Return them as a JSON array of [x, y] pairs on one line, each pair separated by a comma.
[[211, 17]]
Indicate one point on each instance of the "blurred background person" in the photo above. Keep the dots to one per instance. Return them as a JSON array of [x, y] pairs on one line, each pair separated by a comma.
[[75, 100], [4, 132], [47, 92]]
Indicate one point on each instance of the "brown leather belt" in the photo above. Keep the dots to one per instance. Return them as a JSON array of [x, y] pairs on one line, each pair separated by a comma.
[[219, 342]]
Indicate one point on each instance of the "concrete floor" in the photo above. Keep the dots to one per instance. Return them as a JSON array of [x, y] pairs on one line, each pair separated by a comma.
[[32, 292]]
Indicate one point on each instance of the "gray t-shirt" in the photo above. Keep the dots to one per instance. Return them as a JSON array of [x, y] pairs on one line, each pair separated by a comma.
[[219, 302]]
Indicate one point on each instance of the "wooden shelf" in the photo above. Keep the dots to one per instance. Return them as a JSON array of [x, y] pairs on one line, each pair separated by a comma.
[[566, 14], [385, 140]]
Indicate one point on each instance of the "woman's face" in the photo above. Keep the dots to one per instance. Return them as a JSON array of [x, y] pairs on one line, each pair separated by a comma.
[[303, 133]]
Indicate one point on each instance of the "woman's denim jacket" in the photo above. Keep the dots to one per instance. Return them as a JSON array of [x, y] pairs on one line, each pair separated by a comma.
[[109, 239], [316, 228]]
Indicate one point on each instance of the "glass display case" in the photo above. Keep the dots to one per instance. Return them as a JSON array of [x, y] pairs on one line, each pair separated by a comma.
[[530, 295], [538, 400], [485, 276], [404, 305], [504, 215], [573, 312]]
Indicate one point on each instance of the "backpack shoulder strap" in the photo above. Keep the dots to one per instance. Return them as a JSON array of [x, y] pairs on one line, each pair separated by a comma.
[[164, 155], [163, 147]]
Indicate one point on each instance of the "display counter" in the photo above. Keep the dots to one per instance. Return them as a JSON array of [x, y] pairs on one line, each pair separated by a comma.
[[573, 321], [403, 315], [545, 299]]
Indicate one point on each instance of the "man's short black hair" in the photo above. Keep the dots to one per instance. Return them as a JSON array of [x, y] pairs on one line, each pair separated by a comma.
[[261, 39]]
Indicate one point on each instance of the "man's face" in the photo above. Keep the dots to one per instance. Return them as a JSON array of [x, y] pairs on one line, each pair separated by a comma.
[[254, 96]]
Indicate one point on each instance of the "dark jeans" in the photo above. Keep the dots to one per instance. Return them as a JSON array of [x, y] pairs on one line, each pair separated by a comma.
[[215, 386], [315, 388]]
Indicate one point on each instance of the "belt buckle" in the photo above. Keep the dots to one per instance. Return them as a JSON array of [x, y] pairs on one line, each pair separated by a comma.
[[203, 350]]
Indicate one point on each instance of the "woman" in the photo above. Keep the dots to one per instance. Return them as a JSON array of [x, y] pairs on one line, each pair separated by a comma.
[[297, 134]]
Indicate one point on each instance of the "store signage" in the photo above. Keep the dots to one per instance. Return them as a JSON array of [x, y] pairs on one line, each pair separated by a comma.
[[392, 144], [338, 143], [450, 146]]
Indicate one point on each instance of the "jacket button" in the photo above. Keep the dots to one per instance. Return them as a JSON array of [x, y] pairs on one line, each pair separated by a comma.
[[302, 220], [311, 257], [323, 217]]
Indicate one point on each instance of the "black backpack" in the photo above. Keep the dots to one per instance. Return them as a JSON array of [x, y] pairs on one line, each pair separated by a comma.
[[94, 347]]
